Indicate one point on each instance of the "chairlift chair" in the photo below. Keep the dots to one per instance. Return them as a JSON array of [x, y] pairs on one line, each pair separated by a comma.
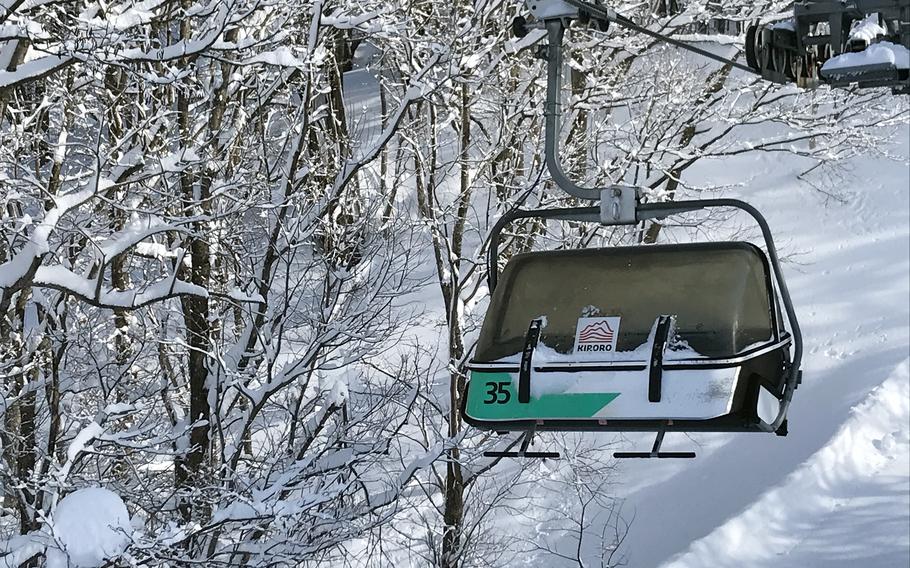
[[668, 338], [651, 338]]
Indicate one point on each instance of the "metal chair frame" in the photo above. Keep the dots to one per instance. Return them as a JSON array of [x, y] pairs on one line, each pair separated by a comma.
[[644, 211], [620, 205]]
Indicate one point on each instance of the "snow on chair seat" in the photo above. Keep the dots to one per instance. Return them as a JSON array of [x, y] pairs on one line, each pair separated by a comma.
[[880, 64]]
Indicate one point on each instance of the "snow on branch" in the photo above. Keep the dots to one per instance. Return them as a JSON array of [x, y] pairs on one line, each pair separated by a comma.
[[389, 497], [13, 271], [183, 48], [34, 70], [86, 435], [346, 21], [89, 291], [132, 234]]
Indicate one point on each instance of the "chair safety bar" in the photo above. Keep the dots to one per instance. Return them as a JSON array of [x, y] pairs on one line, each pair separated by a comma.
[[656, 366], [527, 354]]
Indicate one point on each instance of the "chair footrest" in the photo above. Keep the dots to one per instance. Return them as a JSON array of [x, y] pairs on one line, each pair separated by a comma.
[[621, 455], [545, 455]]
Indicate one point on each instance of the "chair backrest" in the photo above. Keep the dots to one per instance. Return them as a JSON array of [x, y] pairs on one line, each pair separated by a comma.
[[720, 293]]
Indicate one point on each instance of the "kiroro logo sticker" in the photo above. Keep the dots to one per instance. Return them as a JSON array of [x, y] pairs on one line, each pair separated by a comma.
[[596, 335]]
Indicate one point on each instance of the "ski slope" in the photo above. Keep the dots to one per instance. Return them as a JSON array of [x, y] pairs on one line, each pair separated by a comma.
[[836, 491], [845, 506]]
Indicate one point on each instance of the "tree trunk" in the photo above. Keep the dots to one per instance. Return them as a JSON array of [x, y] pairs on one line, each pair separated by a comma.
[[189, 466], [453, 514]]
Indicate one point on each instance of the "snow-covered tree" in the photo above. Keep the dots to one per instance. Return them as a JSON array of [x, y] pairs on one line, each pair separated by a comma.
[[208, 260], [196, 282]]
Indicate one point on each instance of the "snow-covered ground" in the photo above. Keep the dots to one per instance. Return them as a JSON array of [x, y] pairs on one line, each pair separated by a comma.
[[836, 491], [847, 505]]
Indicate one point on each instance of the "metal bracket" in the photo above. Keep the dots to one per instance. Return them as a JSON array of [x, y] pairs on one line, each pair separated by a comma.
[[551, 9], [655, 374], [618, 204]]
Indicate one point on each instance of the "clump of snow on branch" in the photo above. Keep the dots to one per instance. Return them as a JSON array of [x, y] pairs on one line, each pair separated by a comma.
[[89, 526]]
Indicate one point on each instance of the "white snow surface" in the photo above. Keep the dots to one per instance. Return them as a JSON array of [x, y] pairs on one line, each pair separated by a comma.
[[867, 29], [282, 57], [90, 525], [82, 439], [844, 493], [32, 70], [544, 354]]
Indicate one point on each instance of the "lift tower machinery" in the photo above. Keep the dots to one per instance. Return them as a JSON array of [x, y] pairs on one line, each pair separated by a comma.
[[840, 43]]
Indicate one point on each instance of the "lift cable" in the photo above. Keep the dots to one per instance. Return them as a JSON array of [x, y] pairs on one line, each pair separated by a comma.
[[609, 15]]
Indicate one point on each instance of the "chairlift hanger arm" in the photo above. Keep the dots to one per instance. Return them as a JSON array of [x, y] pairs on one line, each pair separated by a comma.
[[617, 202]]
